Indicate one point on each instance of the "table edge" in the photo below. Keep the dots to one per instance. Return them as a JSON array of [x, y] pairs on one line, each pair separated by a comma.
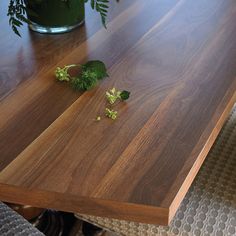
[[85, 205], [200, 158]]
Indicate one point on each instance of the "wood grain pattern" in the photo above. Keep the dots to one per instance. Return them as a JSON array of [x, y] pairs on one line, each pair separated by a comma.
[[179, 62], [28, 89]]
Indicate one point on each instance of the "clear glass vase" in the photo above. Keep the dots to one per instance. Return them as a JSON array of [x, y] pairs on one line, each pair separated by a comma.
[[55, 16]]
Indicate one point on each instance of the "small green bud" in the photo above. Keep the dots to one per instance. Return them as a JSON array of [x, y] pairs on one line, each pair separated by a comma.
[[112, 95], [62, 74], [98, 118], [111, 113]]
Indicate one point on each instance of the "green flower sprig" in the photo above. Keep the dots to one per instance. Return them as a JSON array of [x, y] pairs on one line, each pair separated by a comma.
[[90, 73], [62, 73], [111, 113], [113, 95]]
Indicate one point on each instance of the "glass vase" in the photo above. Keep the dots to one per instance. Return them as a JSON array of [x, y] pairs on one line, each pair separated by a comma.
[[55, 16]]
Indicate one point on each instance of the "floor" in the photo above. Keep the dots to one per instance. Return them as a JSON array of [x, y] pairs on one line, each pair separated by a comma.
[[78, 231]]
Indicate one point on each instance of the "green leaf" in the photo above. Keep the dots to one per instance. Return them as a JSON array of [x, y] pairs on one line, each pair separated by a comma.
[[125, 95], [16, 12], [97, 67], [15, 30], [23, 18], [92, 4], [101, 6], [16, 22], [85, 81]]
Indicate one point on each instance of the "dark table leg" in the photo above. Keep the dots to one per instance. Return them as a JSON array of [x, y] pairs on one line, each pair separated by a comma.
[[49, 222]]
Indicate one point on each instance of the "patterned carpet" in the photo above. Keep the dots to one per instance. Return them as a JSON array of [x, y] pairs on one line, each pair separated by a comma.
[[12, 224], [209, 207]]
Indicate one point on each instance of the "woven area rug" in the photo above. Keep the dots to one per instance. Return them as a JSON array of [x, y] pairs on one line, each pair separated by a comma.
[[209, 207], [12, 224]]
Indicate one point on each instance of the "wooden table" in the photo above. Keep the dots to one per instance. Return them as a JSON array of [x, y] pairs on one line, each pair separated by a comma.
[[178, 59]]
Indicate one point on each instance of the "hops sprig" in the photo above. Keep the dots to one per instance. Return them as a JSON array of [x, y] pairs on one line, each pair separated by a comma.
[[111, 113], [87, 78], [62, 73], [113, 95]]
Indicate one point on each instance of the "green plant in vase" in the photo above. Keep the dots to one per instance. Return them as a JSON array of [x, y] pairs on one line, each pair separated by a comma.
[[52, 16]]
